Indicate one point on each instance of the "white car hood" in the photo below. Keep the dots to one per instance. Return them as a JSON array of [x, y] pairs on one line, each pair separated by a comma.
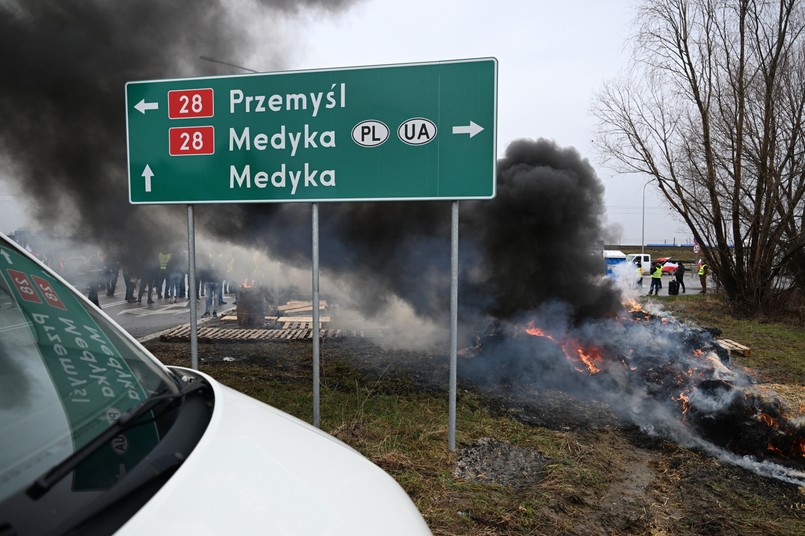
[[258, 470]]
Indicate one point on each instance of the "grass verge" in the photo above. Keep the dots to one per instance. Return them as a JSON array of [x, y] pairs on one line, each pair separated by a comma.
[[589, 480]]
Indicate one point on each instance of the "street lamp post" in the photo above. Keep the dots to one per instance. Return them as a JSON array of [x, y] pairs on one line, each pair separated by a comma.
[[643, 225], [213, 60]]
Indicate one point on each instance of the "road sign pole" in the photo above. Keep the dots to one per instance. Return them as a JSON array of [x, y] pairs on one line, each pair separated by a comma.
[[316, 364], [451, 429], [191, 291]]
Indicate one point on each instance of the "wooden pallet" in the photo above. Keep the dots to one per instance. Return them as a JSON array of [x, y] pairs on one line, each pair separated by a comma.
[[298, 306], [182, 333], [293, 322], [734, 348]]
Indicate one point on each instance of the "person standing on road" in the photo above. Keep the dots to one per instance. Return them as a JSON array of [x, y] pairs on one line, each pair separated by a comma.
[[176, 265], [211, 276], [162, 275], [656, 279], [129, 278], [680, 276], [639, 268], [148, 275], [703, 276], [95, 273], [111, 269]]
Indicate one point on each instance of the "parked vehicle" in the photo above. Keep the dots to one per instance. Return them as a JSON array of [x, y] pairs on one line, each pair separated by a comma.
[[612, 258], [643, 258], [98, 437]]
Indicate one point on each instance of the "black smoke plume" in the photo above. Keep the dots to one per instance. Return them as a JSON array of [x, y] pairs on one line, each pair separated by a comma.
[[535, 242], [62, 135], [63, 71]]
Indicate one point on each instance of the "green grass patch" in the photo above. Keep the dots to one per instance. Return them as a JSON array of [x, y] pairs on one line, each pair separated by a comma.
[[777, 351]]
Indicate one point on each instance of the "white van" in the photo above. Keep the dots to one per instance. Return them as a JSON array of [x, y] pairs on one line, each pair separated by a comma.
[[644, 259], [98, 437]]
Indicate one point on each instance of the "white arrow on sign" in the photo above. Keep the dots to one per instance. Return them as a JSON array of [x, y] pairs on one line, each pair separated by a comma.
[[147, 173], [143, 106], [472, 129]]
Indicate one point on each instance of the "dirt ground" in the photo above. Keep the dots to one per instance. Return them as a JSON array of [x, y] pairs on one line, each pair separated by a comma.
[[650, 486]]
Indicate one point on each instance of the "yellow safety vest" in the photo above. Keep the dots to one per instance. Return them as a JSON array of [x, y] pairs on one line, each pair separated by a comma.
[[657, 273], [703, 269]]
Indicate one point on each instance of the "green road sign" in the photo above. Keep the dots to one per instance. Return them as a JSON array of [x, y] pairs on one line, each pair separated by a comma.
[[396, 132]]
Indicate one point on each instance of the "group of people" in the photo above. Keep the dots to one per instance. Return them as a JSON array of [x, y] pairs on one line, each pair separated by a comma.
[[656, 272], [166, 276]]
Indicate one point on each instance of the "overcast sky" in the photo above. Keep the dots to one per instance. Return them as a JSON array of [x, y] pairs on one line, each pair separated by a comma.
[[553, 56]]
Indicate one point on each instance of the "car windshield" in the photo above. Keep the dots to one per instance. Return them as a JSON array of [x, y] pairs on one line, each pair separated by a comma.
[[66, 374]]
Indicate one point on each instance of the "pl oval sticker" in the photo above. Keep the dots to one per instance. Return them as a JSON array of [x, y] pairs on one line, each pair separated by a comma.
[[370, 133], [417, 131]]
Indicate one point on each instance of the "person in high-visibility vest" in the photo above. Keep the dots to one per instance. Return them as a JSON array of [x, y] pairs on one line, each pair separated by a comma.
[[656, 279], [703, 277]]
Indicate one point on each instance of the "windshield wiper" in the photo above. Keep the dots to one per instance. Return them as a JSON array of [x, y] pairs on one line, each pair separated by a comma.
[[126, 420]]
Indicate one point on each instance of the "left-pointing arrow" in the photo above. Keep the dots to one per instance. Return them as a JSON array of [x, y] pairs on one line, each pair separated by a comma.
[[143, 106], [147, 174]]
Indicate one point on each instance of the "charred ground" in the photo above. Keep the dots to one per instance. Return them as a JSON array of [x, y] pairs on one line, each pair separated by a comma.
[[529, 461]]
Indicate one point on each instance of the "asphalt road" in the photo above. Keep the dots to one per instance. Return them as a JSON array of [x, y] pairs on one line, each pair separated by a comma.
[[692, 284], [143, 320]]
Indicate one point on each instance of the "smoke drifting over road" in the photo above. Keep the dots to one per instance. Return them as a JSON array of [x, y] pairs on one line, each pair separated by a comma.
[[63, 136], [64, 67], [532, 243]]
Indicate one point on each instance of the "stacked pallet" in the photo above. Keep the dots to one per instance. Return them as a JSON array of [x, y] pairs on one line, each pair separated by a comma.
[[297, 307], [298, 314], [182, 334]]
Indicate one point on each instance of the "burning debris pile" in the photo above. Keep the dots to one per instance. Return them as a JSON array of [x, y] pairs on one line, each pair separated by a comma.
[[672, 380]]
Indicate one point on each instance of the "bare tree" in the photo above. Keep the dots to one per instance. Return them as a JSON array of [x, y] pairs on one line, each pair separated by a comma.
[[712, 108]]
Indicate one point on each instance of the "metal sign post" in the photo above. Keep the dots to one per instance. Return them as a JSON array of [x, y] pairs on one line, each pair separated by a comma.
[[451, 431], [316, 332], [191, 283]]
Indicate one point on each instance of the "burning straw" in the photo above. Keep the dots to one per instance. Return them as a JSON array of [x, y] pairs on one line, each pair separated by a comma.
[[670, 379]]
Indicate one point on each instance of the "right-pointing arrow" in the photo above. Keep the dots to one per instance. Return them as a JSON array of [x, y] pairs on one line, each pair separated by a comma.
[[472, 129]]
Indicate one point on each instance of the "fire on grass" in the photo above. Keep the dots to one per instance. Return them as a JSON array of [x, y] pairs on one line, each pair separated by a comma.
[[668, 378]]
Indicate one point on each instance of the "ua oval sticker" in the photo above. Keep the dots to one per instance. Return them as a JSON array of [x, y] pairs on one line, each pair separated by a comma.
[[370, 133], [417, 131]]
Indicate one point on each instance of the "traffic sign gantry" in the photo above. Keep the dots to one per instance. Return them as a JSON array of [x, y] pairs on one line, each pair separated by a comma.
[[394, 132]]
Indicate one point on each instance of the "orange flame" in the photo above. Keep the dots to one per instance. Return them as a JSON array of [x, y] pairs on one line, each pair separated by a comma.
[[685, 401], [633, 306], [768, 421], [589, 359], [535, 331], [571, 349]]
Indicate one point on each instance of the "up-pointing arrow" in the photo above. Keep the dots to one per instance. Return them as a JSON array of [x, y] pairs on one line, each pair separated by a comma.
[[143, 106], [472, 129], [147, 174]]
